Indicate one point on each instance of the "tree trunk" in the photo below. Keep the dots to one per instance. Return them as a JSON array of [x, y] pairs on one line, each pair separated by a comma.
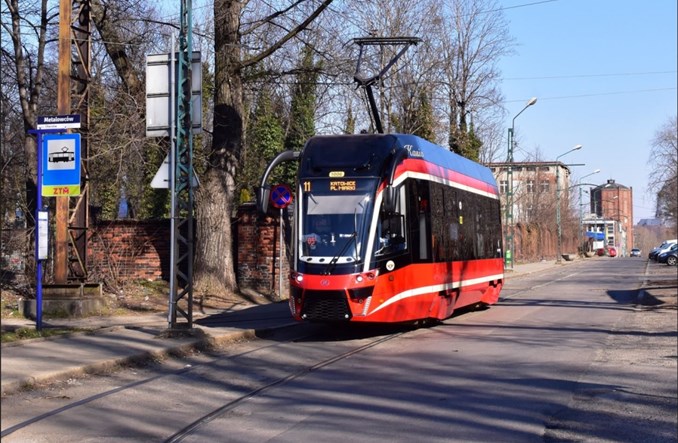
[[214, 272]]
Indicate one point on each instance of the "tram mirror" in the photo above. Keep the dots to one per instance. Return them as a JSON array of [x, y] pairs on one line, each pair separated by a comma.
[[389, 199], [263, 196]]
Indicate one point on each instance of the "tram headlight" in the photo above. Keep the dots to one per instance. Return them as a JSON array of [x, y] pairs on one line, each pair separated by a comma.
[[298, 277], [360, 278]]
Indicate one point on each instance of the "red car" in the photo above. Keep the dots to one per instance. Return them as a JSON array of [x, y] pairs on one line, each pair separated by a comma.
[[612, 252]]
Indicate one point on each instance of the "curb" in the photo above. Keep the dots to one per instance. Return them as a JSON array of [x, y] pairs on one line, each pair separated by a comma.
[[85, 331], [206, 342], [110, 364]]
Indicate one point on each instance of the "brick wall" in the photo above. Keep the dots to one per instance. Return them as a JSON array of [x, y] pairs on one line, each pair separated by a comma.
[[140, 250], [257, 257], [130, 249]]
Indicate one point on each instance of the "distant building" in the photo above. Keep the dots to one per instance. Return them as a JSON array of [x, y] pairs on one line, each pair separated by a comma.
[[614, 202], [650, 222], [534, 187]]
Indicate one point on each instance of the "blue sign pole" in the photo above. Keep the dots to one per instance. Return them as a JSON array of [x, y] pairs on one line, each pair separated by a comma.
[[38, 209]]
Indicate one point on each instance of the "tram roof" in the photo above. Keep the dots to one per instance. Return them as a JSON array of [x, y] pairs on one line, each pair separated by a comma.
[[447, 159], [354, 147]]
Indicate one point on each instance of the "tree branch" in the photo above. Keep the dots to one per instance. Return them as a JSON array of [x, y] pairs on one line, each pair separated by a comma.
[[262, 55]]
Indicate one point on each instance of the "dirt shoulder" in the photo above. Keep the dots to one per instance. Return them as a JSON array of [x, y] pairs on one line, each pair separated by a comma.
[[140, 298]]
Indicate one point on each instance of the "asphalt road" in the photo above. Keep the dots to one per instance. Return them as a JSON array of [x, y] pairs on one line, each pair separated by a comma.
[[567, 355]]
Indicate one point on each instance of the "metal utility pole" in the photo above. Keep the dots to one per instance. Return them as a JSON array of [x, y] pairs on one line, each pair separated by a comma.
[[79, 218], [559, 255], [181, 184], [509, 255]]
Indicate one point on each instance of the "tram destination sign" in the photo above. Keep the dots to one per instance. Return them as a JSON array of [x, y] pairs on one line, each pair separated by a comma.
[[58, 121]]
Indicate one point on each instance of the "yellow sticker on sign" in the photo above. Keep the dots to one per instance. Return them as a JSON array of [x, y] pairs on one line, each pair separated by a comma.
[[60, 191]]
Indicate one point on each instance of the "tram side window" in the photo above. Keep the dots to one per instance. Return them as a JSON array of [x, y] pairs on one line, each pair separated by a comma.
[[438, 227], [495, 229], [451, 223], [480, 229], [466, 226], [418, 220], [488, 232]]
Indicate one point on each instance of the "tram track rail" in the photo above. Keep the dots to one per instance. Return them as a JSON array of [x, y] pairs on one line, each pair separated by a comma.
[[273, 342], [188, 430]]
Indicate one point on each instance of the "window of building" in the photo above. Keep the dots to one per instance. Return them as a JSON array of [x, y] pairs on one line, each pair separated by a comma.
[[503, 186], [530, 186], [545, 186]]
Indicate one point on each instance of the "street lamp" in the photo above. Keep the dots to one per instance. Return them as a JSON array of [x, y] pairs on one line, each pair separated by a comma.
[[509, 254], [581, 215], [559, 256]]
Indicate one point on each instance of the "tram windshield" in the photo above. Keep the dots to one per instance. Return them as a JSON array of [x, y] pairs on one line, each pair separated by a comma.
[[334, 219]]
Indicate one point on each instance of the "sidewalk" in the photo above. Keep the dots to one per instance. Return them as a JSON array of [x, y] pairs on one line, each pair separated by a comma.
[[115, 341]]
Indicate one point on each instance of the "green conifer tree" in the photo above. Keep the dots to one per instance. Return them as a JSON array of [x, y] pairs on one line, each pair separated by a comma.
[[266, 140], [424, 126], [302, 110]]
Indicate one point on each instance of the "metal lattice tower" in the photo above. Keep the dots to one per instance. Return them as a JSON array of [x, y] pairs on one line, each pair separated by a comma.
[[181, 180], [78, 220]]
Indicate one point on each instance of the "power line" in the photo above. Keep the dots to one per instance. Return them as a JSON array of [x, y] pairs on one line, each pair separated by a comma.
[[620, 74], [596, 94]]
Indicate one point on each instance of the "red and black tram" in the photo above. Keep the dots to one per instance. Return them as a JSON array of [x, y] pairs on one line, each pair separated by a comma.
[[391, 228]]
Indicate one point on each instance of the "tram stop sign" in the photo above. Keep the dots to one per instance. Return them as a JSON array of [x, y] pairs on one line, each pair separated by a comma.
[[281, 196]]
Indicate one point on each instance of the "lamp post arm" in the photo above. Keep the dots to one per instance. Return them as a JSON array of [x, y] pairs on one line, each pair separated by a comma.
[[582, 184]]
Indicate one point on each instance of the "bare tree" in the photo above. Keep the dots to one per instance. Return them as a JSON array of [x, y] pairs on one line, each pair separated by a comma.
[[122, 160], [28, 26], [473, 36], [664, 178]]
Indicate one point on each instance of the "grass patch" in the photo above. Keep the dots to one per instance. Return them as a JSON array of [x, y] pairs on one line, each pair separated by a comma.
[[30, 333]]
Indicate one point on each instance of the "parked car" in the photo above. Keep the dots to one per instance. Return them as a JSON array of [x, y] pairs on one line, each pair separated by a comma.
[[663, 257], [612, 252], [661, 248], [672, 258], [635, 252]]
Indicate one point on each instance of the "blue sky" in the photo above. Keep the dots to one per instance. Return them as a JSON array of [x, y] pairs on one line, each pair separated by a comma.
[[604, 74]]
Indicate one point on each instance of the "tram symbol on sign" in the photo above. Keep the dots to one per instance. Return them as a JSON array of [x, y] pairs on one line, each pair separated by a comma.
[[64, 156], [281, 196]]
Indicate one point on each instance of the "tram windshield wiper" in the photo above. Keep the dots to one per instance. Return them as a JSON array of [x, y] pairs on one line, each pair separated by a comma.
[[352, 238], [330, 266]]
